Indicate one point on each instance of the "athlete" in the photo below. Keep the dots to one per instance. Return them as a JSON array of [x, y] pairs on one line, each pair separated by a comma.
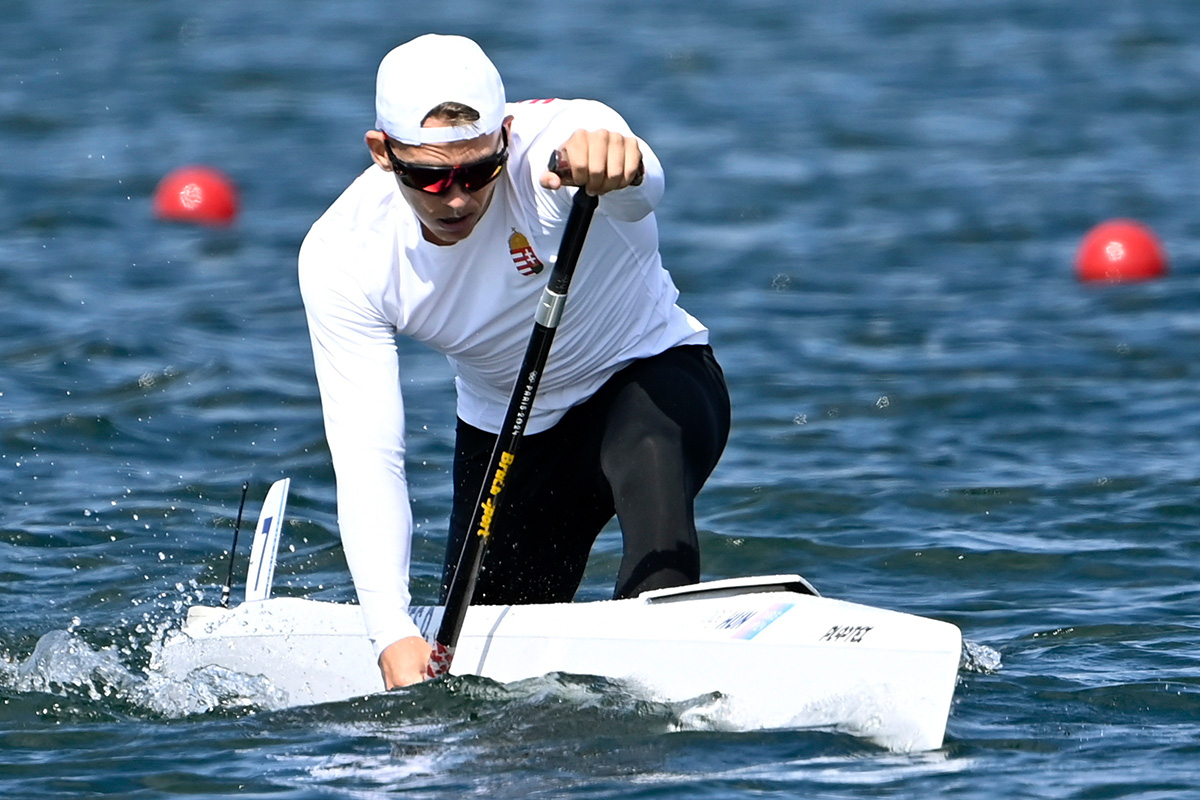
[[446, 239]]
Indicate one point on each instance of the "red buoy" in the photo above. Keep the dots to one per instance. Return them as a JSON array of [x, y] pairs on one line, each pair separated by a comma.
[[200, 195], [1120, 250]]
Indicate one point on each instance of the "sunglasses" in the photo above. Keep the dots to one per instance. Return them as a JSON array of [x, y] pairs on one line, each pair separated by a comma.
[[438, 180]]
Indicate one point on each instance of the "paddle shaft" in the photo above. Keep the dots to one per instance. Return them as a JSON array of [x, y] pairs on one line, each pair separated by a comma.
[[491, 494]]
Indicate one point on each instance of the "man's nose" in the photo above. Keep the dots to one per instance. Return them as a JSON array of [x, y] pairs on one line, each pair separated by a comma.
[[456, 196]]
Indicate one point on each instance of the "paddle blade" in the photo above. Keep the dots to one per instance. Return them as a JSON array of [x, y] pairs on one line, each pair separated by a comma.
[[266, 542]]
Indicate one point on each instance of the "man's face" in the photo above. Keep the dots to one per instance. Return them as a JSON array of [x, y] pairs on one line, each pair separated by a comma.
[[451, 216]]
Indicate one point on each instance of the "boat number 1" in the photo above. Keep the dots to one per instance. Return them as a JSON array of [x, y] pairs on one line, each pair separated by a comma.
[[846, 633]]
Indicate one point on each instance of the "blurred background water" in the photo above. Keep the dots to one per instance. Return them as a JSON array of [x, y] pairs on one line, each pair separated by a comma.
[[874, 207]]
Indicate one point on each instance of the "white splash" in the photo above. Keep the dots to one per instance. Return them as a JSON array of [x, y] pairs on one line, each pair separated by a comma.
[[62, 663]]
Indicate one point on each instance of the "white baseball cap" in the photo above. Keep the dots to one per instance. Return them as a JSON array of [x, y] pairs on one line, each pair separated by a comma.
[[420, 75]]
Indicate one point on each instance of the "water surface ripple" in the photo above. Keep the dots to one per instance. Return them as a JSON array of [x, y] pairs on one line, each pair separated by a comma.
[[873, 206]]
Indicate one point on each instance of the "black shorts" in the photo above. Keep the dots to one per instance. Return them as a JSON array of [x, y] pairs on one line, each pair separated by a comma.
[[640, 448]]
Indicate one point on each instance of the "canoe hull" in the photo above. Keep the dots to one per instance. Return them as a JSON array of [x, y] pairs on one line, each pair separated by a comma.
[[771, 653]]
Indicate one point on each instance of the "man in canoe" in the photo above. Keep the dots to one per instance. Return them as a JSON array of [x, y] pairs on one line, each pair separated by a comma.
[[443, 240]]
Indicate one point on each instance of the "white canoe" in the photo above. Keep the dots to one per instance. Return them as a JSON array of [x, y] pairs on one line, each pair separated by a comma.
[[779, 658], [771, 652]]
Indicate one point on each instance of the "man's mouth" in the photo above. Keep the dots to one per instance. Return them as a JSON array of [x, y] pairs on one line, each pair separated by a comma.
[[456, 224]]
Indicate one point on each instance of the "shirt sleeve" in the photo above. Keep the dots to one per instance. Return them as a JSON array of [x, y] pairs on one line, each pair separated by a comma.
[[354, 351], [629, 204]]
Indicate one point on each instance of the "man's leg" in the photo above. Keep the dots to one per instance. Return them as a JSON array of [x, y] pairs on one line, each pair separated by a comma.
[[666, 426]]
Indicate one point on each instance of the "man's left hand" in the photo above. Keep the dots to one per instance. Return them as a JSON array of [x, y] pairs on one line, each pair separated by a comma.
[[599, 161]]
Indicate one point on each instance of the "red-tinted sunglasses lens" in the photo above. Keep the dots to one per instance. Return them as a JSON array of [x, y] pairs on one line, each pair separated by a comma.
[[438, 180]]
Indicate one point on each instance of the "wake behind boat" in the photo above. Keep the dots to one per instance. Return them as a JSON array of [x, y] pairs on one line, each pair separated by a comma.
[[770, 650]]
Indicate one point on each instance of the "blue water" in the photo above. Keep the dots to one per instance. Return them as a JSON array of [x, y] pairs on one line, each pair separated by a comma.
[[874, 206]]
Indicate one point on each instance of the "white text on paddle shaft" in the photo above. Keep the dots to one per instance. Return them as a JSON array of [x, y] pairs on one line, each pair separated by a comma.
[[489, 507], [526, 402], [846, 633]]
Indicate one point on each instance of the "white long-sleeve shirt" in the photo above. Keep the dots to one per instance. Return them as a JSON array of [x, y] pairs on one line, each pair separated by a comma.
[[367, 275]]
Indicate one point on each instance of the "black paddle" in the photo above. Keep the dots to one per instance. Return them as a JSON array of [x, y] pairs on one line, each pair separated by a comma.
[[491, 494]]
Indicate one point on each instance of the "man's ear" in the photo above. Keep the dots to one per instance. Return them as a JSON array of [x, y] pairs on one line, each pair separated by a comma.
[[377, 144]]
